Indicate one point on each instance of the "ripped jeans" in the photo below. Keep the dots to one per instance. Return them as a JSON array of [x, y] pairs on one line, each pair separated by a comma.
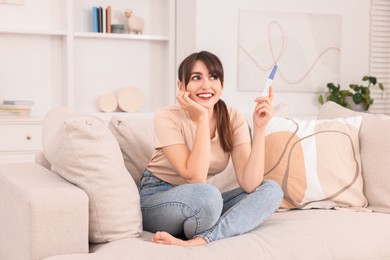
[[200, 209]]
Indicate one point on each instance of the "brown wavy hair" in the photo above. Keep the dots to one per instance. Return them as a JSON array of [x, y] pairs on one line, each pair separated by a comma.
[[214, 66]]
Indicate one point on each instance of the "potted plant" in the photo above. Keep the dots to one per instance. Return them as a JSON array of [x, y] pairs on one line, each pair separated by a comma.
[[352, 98]]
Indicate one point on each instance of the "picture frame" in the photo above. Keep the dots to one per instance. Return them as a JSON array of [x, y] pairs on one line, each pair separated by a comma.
[[305, 46]]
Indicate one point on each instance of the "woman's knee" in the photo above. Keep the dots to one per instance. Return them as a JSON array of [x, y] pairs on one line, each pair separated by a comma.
[[206, 203], [273, 189], [208, 199]]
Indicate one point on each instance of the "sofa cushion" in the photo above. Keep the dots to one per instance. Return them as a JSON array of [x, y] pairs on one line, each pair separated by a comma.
[[316, 162], [374, 148], [83, 151], [135, 137], [295, 234]]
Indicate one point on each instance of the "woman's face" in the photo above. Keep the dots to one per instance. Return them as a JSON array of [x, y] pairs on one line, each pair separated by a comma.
[[204, 88]]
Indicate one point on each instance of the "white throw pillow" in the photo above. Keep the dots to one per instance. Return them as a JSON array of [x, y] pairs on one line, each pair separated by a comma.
[[83, 151]]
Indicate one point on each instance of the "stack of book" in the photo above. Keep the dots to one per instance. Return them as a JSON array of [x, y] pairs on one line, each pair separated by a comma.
[[101, 19], [15, 108]]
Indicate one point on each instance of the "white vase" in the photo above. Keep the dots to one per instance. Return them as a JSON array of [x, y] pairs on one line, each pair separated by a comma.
[[355, 107]]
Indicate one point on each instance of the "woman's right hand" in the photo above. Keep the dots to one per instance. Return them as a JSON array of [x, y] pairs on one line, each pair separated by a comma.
[[192, 164], [195, 110]]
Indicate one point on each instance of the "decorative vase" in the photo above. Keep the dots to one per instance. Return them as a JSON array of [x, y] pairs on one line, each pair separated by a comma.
[[355, 107]]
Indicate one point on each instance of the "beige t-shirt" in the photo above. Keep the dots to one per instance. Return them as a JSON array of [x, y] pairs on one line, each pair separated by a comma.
[[172, 125]]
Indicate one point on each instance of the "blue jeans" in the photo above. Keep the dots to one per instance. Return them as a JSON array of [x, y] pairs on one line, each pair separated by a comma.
[[190, 210]]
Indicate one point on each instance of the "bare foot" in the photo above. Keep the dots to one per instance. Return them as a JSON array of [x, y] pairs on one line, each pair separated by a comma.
[[162, 237]]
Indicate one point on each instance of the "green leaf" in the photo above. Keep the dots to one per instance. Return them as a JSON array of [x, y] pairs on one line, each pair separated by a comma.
[[372, 80], [381, 87], [357, 98], [335, 98], [354, 87], [332, 87], [321, 99], [365, 91]]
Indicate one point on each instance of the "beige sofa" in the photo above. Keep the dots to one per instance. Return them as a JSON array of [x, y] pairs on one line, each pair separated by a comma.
[[45, 216]]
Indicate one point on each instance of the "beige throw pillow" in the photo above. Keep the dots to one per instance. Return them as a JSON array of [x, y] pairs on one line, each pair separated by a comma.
[[316, 162], [83, 151], [135, 137], [375, 150]]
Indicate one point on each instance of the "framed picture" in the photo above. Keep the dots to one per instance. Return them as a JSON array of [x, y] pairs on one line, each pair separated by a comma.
[[305, 46]]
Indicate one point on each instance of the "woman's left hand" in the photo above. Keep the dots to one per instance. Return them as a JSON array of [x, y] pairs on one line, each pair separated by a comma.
[[263, 110]]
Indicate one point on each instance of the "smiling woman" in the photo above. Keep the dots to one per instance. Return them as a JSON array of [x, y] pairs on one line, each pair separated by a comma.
[[194, 141]]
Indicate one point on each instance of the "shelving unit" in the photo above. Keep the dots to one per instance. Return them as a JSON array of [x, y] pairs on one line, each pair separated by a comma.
[[49, 54], [57, 60]]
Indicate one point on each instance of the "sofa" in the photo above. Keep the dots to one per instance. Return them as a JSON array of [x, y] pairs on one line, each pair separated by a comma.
[[80, 200]]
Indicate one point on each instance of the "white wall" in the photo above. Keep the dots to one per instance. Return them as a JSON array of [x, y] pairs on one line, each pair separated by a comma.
[[216, 29]]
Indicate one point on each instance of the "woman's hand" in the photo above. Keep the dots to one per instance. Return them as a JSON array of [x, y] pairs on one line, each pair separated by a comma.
[[193, 108], [263, 111], [192, 165], [249, 160]]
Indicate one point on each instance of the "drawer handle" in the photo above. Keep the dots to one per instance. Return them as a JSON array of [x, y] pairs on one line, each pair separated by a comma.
[[28, 138]]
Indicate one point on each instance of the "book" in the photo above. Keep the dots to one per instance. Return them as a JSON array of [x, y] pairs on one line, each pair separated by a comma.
[[104, 20], [10, 115], [108, 19], [95, 17], [19, 102], [14, 113], [13, 107], [100, 19]]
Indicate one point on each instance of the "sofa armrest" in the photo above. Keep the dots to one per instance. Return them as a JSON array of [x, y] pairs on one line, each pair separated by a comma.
[[41, 214]]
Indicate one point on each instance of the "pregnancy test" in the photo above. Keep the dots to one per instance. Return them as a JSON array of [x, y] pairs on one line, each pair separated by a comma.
[[269, 81]]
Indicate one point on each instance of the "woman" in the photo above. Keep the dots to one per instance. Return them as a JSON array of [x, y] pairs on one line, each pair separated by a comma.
[[194, 140]]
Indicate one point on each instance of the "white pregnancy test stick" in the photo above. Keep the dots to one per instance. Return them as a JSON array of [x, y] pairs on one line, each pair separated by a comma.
[[269, 81]]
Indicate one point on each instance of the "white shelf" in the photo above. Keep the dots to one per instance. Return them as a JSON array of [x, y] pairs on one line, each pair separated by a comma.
[[122, 36], [27, 32]]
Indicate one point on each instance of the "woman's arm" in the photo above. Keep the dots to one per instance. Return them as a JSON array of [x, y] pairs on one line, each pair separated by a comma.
[[249, 160], [192, 165]]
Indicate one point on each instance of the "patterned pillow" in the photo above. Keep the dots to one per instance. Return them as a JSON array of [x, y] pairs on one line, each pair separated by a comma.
[[316, 162]]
